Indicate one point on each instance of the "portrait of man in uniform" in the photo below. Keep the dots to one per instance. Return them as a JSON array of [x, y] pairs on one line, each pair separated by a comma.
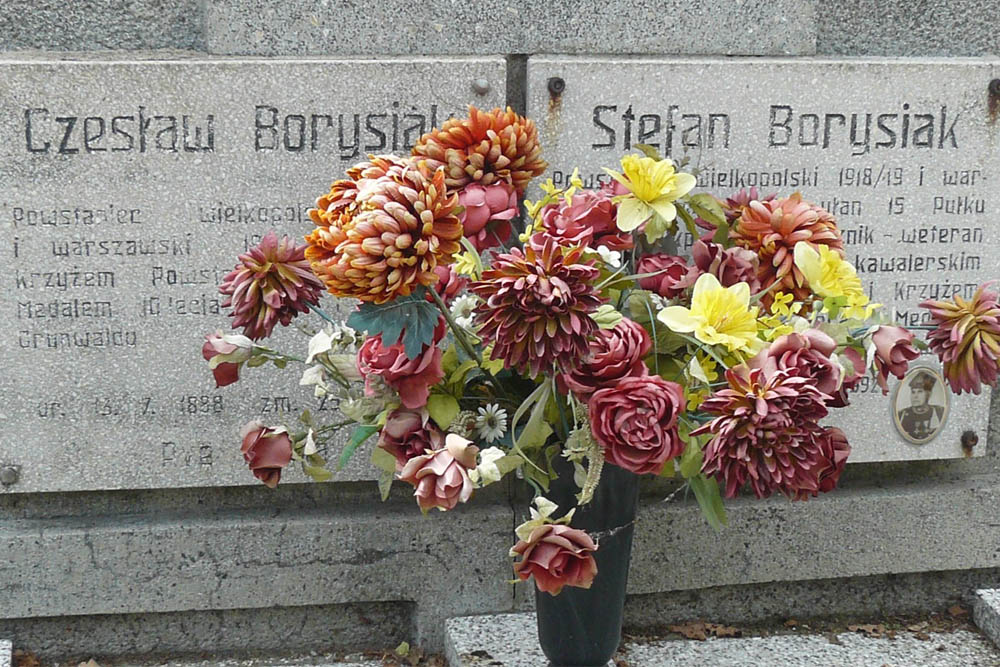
[[920, 406]]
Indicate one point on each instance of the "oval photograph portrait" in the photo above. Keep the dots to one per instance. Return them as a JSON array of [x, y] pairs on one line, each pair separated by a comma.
[[920, 405]]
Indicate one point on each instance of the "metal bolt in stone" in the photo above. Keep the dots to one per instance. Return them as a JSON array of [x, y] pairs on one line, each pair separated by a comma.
[[481, 86], [8, 475], [969, 440], [995, 87], [556, 86]]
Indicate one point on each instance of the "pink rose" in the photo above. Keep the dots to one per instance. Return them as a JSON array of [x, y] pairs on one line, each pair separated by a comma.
[[805, 354], [893, 353], [673, 275], [225, 354], [488, 212], [851, 379], [591, 220], [441, 477], [556, 556], [409, 433], [266, 450], [614, 354], [835, 449], [729, 265], [449, 283], [636, 422], [411, 378]]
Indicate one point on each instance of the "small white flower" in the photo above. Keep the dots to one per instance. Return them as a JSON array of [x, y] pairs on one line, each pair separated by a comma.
[[487, 471], [462, 310], [344, 336], [612, 258], [312, 375], [491, 422]]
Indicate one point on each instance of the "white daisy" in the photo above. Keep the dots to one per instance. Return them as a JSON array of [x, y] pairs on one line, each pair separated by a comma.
[[612, 258], [491, 422], [461, 310]]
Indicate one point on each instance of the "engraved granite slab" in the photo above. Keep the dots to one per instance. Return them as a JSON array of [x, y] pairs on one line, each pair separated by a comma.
[[127, 189], [906, 154]]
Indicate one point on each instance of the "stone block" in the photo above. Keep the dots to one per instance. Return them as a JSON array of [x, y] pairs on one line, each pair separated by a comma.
[[283, 27], [6, 660], [986, 613], [907, 28], [127, 190], [338, 553], [901, 152], [938, 526], [96, 25]]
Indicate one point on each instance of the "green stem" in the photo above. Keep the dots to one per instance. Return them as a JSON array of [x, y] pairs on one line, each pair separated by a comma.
[[319, 311]]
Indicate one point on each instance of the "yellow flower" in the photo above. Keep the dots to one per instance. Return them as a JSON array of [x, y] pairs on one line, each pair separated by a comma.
[[831, 276], [694, 398], [654, 186], [782, 304], [466, 264], [718, 315]]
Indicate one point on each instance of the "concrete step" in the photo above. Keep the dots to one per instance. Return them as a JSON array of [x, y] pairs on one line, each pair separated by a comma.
[[509, 640], [986, 613]]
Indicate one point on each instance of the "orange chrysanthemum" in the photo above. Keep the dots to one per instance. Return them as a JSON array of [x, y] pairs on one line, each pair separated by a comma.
[[772, 228], [487, 147], [381, 233]]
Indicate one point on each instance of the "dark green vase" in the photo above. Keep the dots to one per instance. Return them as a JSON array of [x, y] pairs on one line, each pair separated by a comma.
[[583, 627]]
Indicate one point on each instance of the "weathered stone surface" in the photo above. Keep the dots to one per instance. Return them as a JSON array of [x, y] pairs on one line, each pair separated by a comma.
[[930, 527], [284, 557], [117, 237], [282, 27], [912, 184], [907, 28], [91, 25], [5, 653], [986, 613]]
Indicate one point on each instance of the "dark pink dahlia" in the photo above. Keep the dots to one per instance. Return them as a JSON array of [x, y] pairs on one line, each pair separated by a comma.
[[537, 304], [272, 283], [766, 433]]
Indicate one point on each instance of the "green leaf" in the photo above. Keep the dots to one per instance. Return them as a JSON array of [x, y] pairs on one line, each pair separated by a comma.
[[657, 227], [706, 490], [280, 363], [691, 459], [706, 207], [384, 461], [385, 482], [457, 377], [361, 433], [253, 362], [721, 235], [411, 317], [668, 469], [442, 408], [318, 473], [648, 151], [684, 214]]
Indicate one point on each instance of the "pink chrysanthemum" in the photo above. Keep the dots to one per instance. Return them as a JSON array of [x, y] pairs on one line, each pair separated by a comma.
[[272, 283], [766, 433], [967, 339], [537, 304]]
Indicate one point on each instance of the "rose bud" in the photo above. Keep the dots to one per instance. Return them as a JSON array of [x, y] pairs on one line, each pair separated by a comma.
[[441, 477], [266, 450], [893, 353], [225, 354]]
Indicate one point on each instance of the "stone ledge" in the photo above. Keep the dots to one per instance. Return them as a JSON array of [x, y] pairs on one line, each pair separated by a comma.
[[986, 613], [286, 27]]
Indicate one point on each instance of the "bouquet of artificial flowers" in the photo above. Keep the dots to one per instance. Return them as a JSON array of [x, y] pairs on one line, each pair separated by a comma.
[[493, 334]]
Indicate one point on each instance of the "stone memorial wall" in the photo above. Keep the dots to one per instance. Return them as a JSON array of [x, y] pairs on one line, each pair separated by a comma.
[[129, 189], [905, 155]]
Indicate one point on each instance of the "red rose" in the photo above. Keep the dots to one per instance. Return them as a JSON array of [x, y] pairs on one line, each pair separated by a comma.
[[449, 283], [729, 265], [893, 353], [441, 477], [409, 433], [266, 450], [591, 219], [614, 354], [636, 422], [488, 212], [411, 378], [805, 354], [556, 556], [673, 275]]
